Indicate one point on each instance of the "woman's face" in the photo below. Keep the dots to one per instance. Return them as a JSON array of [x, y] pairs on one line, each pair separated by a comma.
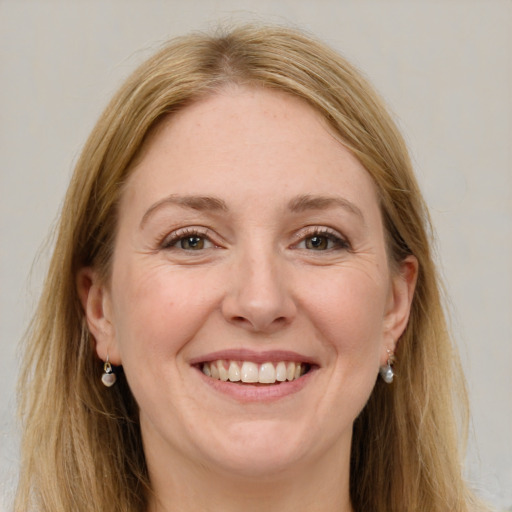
[[250, 246]]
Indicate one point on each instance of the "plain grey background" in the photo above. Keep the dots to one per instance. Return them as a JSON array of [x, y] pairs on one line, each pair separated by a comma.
[[445, 69]]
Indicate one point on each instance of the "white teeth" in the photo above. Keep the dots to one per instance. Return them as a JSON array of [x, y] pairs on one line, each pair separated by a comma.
[[267, 373], [281, 371], [290, 371], [234, 372], [249, 372], [252, 373], [223, 372]]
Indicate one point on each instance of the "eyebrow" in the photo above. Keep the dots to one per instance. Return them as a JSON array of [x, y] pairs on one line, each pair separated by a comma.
[[298, 204], [199, 203], [309, 202]]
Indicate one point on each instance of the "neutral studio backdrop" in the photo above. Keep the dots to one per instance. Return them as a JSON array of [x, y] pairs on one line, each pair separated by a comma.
[[445, 69]]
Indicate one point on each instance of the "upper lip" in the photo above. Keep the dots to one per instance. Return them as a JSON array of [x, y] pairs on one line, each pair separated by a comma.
[[266, 356]]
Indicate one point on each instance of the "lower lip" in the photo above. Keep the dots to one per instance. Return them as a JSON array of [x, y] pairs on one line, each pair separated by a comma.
[[255, 392]]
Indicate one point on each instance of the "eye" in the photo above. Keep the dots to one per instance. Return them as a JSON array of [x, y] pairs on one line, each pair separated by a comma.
[[323, 240], [192, 243], [187, 240], [317, 243]]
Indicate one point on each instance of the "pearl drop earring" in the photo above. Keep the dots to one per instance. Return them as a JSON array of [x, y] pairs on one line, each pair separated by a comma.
[[386, 372], [108, 378]]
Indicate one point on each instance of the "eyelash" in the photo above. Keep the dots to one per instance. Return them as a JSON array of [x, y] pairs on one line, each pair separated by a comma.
[[337, 242], [182, 234]]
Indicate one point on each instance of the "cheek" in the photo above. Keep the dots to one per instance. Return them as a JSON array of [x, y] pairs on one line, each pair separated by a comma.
[[348, 308], [157, 310]]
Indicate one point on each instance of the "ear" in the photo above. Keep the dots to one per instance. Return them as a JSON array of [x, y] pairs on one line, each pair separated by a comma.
[[403, 283], [97, 305]]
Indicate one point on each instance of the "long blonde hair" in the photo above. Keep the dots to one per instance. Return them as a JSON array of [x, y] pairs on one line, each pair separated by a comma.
[[81, 447]]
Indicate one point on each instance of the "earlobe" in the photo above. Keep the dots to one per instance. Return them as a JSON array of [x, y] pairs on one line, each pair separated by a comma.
[[403, 284], [96, 303]]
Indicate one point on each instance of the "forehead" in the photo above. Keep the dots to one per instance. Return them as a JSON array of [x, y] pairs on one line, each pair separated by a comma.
[[249, 142]]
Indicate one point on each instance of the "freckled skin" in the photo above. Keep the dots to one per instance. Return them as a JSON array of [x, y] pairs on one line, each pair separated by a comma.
[[256, 283]]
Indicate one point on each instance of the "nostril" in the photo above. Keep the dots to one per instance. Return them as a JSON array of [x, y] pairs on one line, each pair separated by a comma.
[[277, 321]]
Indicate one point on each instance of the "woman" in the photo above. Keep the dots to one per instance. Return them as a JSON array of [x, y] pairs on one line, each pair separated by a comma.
[[242, 251]]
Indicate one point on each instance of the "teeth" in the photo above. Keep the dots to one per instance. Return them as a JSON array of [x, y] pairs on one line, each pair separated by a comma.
[[281, 372], [267, 373], [251, 373], [234, 372], [290, 371], [206, 370], [223, 372]]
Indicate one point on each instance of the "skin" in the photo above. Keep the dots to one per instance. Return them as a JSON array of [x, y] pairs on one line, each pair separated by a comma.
[[259, 283]]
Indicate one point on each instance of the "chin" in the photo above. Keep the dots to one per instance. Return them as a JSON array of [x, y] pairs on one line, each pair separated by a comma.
[[262, 449], [259, 463]]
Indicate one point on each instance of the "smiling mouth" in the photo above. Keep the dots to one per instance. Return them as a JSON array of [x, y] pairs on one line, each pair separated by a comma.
[[248, 372]]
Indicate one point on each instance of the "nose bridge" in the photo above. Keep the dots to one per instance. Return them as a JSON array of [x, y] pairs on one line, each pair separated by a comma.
[[258, 295]]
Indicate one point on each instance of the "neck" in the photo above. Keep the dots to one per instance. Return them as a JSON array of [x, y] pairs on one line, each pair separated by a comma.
[[192, 488]]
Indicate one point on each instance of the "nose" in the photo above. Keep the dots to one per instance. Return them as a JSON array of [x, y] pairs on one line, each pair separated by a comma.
[[258, 294]]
